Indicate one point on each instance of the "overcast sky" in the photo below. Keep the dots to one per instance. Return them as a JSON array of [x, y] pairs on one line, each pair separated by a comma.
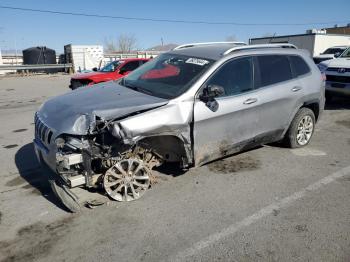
[[26, 29]]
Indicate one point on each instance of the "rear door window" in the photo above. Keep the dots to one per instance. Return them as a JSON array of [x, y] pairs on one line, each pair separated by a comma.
[[273, 69], [299, 66]]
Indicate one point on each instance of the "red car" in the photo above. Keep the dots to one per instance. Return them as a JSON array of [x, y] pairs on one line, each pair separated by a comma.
[[111, 71]]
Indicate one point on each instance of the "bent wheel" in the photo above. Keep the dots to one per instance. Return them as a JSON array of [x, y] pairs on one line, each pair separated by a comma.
[[127, 180]]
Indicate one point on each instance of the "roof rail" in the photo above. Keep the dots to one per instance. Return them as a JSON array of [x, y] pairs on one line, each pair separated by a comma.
[[259, 46], [208, 43]]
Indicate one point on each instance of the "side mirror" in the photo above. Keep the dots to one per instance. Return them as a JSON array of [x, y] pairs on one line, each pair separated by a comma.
[[95, 69], [211, 91], [337, 54]]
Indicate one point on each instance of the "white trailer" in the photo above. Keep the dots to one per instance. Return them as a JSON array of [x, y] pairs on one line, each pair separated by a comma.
[[83, 57], [314, 42]]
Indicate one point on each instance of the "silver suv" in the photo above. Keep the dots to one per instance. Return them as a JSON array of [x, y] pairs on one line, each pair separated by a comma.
[[192, 105]]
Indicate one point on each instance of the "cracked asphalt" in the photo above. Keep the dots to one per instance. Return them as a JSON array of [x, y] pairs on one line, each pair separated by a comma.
[[267, 204]]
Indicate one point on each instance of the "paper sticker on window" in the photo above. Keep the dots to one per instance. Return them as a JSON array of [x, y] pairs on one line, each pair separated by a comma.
[[197, 61]]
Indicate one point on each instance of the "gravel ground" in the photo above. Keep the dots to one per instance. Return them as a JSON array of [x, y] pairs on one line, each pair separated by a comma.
[[268, 204]]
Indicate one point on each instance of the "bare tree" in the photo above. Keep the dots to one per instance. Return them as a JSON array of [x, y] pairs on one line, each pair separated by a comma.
[[127, 43], [109, 45], [231, 38], [268, 35]]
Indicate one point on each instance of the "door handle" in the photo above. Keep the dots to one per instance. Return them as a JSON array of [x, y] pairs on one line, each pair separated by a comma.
[[250, 101], [296, 89]]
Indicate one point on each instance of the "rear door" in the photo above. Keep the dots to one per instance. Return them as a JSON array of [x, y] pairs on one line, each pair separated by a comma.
[[279, 93], [225, 125]]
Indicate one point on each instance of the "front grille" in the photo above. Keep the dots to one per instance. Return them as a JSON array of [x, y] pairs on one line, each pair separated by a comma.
[[42, 131], [76, 83], [340, 79], [336, 69]]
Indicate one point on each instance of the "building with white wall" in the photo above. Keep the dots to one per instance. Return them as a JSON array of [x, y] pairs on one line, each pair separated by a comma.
[[315, 41]]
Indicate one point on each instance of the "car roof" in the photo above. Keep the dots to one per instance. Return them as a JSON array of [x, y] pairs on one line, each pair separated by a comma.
[[339, 46], [218, 51], [132, 59], [213, 52]]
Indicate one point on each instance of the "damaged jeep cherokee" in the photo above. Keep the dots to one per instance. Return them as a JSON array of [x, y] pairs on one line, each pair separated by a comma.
[[192, 105]]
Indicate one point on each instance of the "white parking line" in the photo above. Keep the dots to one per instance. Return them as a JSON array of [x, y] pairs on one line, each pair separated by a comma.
[[284, 202]]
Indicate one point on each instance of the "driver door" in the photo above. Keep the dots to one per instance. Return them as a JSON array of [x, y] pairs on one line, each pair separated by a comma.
[[227, 123]]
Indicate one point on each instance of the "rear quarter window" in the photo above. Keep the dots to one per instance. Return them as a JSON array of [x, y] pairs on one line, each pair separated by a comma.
[[273, 69], [299, 66]]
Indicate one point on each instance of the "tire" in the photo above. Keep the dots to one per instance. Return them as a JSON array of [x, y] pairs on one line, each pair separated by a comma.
[[296, 138]]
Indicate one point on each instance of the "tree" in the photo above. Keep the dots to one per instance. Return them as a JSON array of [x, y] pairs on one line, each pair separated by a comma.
[[231, 38], [268, 35], [109, 45], [126, 43]]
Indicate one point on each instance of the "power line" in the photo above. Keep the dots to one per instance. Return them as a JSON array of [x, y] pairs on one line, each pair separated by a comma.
[[167, 20]]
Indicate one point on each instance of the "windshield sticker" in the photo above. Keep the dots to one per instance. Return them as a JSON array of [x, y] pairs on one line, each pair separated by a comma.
[[197, 61]]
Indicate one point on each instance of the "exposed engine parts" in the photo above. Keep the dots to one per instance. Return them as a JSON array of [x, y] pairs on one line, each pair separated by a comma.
[[100, 161]]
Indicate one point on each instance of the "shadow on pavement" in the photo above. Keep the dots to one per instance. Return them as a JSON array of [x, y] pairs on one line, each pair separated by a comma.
[[170, 169], [38, 177], [338, 103]]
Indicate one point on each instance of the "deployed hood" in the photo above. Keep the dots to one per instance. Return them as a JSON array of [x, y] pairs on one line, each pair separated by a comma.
[[75, 112], [324, 56], [338, 62]]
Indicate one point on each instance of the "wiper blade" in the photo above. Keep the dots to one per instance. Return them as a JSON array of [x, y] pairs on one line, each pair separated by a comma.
[[136, 88]]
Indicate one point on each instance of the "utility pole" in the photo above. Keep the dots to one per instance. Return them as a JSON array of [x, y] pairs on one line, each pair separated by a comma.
[[16, 51]]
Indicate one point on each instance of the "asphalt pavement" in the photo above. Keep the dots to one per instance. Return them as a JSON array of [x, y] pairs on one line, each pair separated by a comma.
[[267, 204]]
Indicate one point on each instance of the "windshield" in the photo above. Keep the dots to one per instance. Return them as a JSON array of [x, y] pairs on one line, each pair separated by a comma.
[[332, 51], [167, 76], [346, 53], [111, 67]]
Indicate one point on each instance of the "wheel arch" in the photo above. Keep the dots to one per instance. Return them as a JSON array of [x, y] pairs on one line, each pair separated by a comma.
[[171, 147], [313, 105]]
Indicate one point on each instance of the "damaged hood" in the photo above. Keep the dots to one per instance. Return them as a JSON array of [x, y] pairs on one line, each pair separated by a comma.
[[338, 62], [75, 112]]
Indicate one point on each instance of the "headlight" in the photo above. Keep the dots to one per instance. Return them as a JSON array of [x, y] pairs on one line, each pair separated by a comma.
[[60, 142], [71, 142]]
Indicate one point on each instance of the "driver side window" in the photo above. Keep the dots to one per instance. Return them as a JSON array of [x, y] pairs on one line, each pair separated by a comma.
[[130, 66], [235, 76]]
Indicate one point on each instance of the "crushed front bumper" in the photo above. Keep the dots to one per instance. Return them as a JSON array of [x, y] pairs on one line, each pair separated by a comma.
[[44, 155]]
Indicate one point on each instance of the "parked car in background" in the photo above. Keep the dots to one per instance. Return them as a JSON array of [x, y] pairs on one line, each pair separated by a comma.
[[111, 71], [192, 105], [330, 53], [337, 72]]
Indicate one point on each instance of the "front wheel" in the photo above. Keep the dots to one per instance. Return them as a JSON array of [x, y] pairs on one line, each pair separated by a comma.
[[301, 129]]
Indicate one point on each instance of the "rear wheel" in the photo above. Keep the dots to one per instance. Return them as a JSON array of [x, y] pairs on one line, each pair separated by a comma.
[[301, 129]]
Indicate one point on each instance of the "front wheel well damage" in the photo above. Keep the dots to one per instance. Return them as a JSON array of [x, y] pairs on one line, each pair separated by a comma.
[[169, 147]]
